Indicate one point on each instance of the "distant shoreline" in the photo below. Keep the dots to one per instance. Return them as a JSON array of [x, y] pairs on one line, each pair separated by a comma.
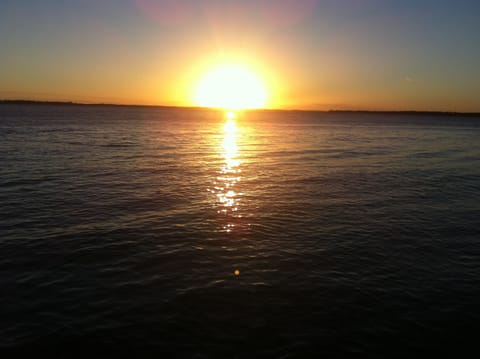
[[390, 112]]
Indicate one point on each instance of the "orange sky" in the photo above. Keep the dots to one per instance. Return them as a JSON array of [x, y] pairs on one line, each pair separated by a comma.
[[310, 54]]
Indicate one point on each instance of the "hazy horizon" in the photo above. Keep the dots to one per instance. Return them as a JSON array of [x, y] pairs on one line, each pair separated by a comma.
[[196, 107]]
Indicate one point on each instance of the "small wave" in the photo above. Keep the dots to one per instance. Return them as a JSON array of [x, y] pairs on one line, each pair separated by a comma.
[[118, 144]]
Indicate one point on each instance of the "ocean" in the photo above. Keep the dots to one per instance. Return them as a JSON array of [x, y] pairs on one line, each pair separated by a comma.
[[169, 232]]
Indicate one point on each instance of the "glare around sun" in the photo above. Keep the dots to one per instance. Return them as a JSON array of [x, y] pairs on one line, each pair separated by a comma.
[[230, 87]]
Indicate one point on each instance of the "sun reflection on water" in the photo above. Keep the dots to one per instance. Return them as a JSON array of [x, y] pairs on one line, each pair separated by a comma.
[[227, 196]]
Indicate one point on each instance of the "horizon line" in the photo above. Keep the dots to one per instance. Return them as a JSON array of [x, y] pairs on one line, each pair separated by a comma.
[[75, 103]]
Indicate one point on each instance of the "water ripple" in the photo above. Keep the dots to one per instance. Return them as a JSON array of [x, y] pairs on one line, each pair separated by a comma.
[[123, 229]]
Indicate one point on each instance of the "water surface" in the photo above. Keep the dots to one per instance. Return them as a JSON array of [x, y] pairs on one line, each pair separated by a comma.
[[354, 234]]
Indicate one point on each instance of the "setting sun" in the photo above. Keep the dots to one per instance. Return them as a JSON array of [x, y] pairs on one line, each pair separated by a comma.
[[231, 87]]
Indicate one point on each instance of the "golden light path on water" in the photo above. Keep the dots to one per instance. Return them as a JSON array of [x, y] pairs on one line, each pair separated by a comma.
[[227, 197]]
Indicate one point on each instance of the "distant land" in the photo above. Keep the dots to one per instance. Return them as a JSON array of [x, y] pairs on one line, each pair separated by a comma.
[[392, 112]]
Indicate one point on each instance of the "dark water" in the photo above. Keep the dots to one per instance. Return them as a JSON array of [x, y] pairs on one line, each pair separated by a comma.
[[121, 229]]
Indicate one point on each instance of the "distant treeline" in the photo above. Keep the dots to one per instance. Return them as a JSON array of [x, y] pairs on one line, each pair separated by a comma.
[[33, 102], [416, 113], [343, 112], [64, 103], [70, 103]]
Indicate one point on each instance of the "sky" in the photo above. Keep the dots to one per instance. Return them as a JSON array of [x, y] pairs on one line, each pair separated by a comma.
[[311, 54]]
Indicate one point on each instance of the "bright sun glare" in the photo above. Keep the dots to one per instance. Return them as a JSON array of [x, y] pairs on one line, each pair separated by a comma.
[[231, 87]]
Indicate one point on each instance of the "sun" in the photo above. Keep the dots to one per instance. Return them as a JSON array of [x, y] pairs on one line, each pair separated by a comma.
[[231, 87]]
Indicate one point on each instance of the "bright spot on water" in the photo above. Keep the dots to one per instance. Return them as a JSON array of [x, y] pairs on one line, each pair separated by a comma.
[[230, 115]]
